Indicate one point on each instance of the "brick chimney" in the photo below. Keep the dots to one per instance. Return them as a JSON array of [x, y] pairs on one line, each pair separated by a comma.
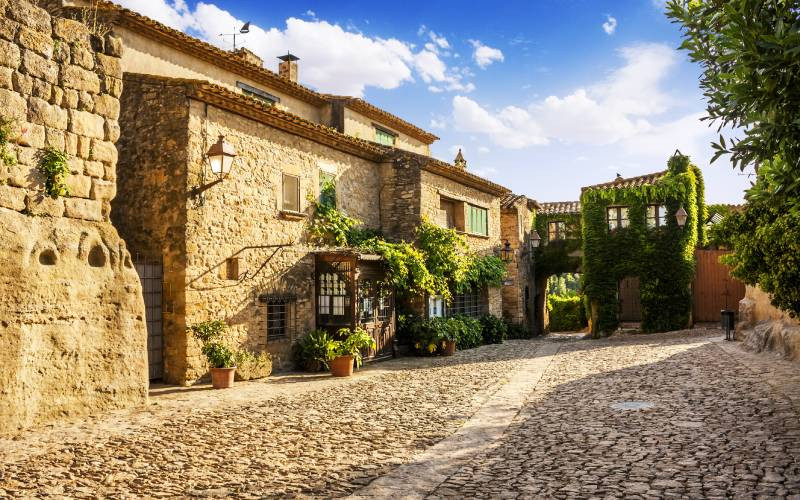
[[248, 56], [288, 67]]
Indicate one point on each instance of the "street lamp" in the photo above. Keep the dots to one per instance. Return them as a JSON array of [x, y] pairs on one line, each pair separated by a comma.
[[535, 239], [681, 217], [506, 253], [221, 156]]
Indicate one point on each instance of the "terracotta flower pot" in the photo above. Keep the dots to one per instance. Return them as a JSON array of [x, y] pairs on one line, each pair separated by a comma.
[[449, 348], [222, 378], [342, 366]]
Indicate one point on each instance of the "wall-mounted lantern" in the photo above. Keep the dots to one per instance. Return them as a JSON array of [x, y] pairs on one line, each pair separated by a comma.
[[221, 156], [506, 253], [535, 239], [681, 217]]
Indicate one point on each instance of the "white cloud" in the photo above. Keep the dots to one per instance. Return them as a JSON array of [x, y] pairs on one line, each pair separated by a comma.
[[310, 13], [334, 59], [483, 150], [612, 110], [437, 123], [610, 26], [483, 55]]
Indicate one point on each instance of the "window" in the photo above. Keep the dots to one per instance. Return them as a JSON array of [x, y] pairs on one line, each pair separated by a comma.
[[333, 299], [472, 303], [556, 230], [385, 137], [232, 268], [656, 216], [477, 220], [280, 316], [617, 217], [258, 94], [291, 193], [366, 299], [385, 305], [435, 306], [448, 213], [327, 188]]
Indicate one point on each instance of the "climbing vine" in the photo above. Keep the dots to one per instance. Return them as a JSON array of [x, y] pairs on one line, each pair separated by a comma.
[[439, 262], [662, 257], [558, 256], [55, 169]]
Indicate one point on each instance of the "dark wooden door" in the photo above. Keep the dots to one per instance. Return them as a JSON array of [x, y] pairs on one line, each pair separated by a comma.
[[630, 302], [150, 275], [713, 288]]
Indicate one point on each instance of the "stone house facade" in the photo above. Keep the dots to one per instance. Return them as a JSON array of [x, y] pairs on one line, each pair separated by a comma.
[[72, 319], [237, 249]]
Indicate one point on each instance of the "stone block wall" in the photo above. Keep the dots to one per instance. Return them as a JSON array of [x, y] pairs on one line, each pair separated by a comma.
[[515, 226], [72, 336], [763, 327]]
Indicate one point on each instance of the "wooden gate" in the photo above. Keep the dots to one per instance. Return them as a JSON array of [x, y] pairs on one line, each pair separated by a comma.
[[630, 301], [713, 288]]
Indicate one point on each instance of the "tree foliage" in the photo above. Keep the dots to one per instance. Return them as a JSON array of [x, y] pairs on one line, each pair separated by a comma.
[[750, 52]]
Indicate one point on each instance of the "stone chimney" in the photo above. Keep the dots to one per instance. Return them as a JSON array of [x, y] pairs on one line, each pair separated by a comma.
[[248, 56], [460, 162], [288, 67]]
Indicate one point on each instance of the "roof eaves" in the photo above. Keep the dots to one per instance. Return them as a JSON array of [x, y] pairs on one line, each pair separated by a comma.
[[376, 113]]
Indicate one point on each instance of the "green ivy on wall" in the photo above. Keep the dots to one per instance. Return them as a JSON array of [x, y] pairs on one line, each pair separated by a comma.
[[662, 257], [438, 263], [553, 257]]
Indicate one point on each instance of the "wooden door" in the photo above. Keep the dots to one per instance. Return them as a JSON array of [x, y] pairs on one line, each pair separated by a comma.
[[630, 302], [713, 288], [376, 310], [150, 275]]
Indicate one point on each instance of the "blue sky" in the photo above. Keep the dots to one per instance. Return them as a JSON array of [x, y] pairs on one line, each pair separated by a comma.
[[543, 96]]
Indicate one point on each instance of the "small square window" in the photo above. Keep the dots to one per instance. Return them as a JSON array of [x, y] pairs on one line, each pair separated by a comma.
[[656, 216], [281, 317], [556, 230], [291, 193], [232, 268], [617, 218]]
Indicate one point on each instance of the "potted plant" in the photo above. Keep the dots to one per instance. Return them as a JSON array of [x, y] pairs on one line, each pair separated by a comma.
[[344, 352], [313, 352], [220, 357]]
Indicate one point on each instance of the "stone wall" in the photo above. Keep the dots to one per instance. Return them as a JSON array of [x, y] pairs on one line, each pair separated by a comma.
[[72, 336], [358, 125], [763, 327], [515, 227]]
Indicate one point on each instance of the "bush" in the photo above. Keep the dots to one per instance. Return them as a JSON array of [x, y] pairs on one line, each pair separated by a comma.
[[312, 352], [251, 366], [469, 332], [566, 313], [493, 329], [517, 331], [218, 354]]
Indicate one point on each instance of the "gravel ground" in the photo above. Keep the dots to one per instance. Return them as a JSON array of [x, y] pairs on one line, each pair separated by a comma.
[[718, 428], [277, 439]]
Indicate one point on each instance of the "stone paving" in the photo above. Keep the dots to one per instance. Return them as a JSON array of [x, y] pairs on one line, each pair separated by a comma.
[[723, 423]]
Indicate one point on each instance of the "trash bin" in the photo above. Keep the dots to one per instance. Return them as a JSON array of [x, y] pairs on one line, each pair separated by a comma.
[[727, 321]]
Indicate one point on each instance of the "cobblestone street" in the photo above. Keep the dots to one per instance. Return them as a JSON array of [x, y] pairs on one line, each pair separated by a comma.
[[525, 419]]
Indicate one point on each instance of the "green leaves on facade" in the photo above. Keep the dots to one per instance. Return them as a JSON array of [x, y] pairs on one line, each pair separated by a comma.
[[662, 258], [438, 263], [55, 169]]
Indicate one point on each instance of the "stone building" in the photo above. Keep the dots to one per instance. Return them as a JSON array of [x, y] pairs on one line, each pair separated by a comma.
[[72, 331], [516, 228], [236, 248]]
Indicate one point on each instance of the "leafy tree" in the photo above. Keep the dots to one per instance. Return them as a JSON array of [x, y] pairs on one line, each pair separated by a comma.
[[750, 53]]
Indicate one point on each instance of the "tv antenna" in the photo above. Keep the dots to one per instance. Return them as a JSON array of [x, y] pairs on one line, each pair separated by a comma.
[[245, 29]]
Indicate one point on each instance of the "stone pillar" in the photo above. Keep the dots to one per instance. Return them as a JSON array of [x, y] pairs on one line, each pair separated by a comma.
[[72, 335]]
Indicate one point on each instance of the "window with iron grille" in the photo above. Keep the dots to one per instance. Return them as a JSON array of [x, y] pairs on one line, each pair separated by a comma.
[[280, 316], [472, 303], [385, 305]]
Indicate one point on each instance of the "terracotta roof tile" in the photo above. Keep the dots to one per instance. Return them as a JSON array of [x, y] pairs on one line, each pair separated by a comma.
[[637, 181], [560, 207]]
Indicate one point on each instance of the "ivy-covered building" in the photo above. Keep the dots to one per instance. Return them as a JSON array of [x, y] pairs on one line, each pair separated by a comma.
[[639, 235]]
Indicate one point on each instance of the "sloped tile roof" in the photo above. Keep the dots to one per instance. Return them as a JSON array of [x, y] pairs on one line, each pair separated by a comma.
[[627, 182], [508, 201], [560, 207]]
